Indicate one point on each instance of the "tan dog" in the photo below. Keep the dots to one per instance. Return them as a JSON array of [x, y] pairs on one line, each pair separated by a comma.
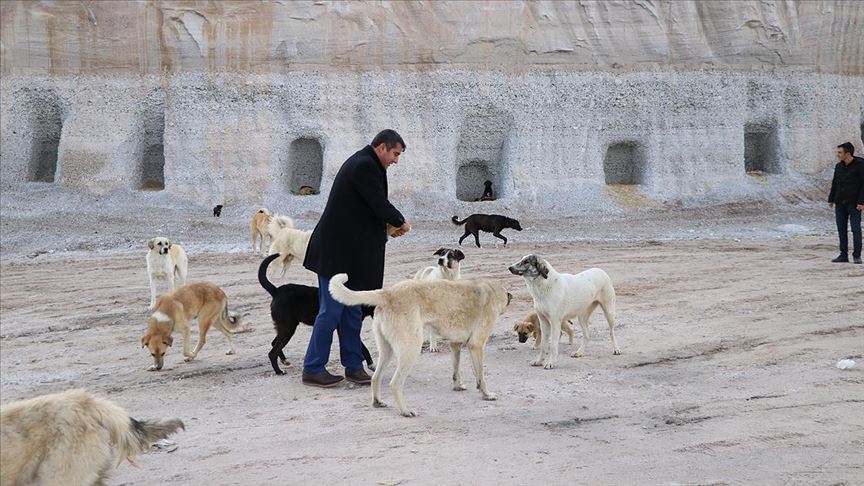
[[461, 311], [202, 299], [258, 228], [307, 191], [71, 438], [166, 261], [290, 244], [531, 325]]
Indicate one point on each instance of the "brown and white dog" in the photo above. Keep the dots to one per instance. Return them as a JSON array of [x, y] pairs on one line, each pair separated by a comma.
[[562, 296], [289, 243], [531, 325], [71, 438], [202, 299], [258, 228], [448, 268], [166, 261], [462, 311]]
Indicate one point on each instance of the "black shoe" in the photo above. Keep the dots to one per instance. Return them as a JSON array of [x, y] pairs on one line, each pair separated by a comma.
[[323, 379], [358, 376], [841, 259], [857, 261]]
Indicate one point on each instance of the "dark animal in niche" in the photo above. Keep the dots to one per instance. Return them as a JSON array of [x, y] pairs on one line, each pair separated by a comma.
[[217, 210], [307, 191], [291, 305], [490, 223], [488, 195]]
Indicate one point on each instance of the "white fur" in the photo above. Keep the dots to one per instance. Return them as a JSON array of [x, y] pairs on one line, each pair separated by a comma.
[[562, 296], [161, 317], [289, 243], [438, 272], [171, 267]]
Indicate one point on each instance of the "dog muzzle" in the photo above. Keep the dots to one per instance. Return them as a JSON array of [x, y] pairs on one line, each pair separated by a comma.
[[523, 338], [163, 251]]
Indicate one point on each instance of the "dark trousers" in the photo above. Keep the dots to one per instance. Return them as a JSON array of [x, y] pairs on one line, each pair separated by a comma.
[[333, 316], [848, 215]]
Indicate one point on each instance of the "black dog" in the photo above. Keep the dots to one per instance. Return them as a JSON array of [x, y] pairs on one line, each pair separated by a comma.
[[291, 305], [490, 223], [487, 192], [217, 210]]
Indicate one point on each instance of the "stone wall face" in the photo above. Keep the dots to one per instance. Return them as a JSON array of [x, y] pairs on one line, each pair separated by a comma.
[[195, 101]]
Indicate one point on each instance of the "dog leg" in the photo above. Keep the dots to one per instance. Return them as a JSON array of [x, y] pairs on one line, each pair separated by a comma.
[[544, 344], [203, 325], [228, 337], [405, 359], [367, 356], [609, 312], [477, 238], [554, 329], [276, 352], [184, 328], [476, 349], [385, 352], [499, 235], [456, 351], [585, 337], [567, 327], [464, 236], [152, 292], [433, 340]]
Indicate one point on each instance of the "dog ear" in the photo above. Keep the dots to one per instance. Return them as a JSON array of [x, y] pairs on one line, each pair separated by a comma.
[[459, 255], [151, 243], [168, 341], [169, 243], [440, 252], [542, 269], [144, 340]]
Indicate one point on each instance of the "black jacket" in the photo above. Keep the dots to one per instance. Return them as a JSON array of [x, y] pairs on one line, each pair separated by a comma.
[[352, 232], [847, 187]]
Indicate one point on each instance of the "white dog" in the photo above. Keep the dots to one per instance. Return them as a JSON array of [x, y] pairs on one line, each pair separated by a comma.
[[562, 296], [447, 269], [166, 261], [463, 311], [288, 242]]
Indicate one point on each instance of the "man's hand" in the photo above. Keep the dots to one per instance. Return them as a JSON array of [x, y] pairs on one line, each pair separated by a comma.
[[397, 232]]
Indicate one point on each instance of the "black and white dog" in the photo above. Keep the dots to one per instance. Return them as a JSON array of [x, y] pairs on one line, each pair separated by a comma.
[[291, 305], [490, 223], [217, 211]]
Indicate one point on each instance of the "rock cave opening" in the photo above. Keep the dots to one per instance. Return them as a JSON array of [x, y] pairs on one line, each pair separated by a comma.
[[305, 166], [624, 163], [761, 148]]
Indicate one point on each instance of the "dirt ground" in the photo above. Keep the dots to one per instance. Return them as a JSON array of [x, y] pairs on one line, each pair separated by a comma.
[[727, 374]]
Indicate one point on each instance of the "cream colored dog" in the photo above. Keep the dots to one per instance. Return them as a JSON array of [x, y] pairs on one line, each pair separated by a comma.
[[71, 438], [290, 244], [448, 268], [168, 262], [202, 299], [462, 311], [562, 296], [258, 228], [531, 325]]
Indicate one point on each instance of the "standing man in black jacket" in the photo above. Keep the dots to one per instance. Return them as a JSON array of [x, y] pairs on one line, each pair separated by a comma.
[[350, 238], [847, 197]]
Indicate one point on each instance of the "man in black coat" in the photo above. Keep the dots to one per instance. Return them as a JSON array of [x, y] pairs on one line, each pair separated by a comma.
[[847, 197], [350, 238]]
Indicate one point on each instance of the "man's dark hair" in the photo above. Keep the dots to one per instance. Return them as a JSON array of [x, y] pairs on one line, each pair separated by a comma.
[[847, 147], [390, 138]]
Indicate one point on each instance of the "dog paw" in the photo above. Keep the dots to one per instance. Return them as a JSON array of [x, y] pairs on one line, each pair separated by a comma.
[[279, 372], [378, 404], [459, 387], [537, 362], [576, 354], [229, 352], [285, 362], [188, 358], [409, 413], [616, 352], [490, 397], [549, 366], [433, 349], [152, 368]]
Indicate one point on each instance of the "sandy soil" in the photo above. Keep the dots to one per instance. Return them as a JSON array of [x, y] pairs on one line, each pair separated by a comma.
[[727, 374]]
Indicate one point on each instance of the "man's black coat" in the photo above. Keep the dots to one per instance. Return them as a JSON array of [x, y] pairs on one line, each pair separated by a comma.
[[847, 186], [352, 232]]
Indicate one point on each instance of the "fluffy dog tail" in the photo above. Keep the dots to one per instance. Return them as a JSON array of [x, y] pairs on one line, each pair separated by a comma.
[[456, 221], [278, 223], [262, 274], [129, 436], [346, 296], [231, 322]]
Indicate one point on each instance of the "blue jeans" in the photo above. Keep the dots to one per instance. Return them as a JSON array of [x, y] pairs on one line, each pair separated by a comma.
[[333, 316], [848, 214]]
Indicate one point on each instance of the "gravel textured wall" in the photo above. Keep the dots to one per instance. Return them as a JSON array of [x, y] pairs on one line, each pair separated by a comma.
[[542, 137]]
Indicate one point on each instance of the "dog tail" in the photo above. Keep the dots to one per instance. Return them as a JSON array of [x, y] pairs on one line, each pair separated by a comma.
[[262, 274], [129, 436], [346, 296], [456, 221], [278, 223], [231, 321]]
